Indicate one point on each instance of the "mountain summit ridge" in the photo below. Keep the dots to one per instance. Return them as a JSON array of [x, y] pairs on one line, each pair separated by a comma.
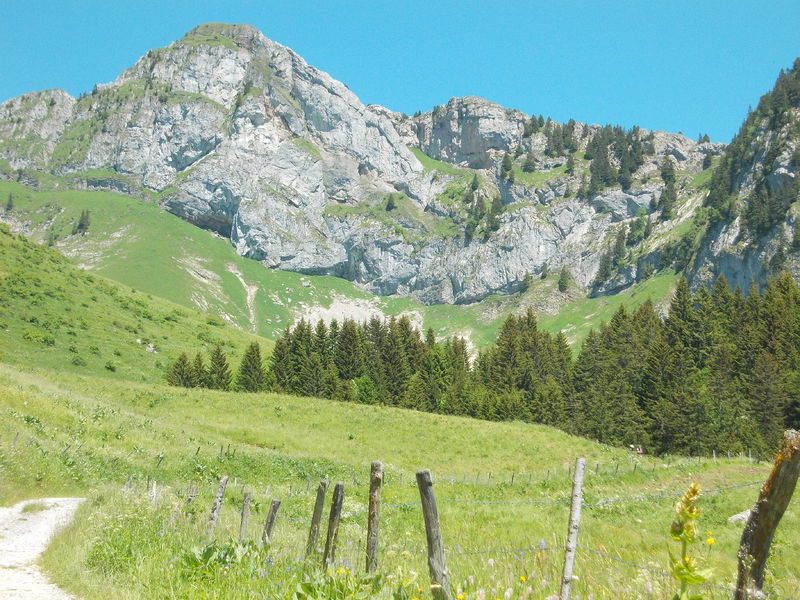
[[238, 134]]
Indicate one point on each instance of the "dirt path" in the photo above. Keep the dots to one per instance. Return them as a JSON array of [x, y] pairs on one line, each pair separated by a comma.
[[24, 535]]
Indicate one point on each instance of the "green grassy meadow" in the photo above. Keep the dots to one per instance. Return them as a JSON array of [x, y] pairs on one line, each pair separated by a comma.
[[85, 435], [503, 488]]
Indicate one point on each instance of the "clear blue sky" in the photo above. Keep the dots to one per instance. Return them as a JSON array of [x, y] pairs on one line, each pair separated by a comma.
[[678, 65]]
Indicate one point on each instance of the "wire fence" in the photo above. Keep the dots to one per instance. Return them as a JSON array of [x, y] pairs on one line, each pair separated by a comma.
[[301, 488]]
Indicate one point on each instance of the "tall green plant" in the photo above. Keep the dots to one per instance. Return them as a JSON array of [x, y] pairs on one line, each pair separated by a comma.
[[686, 569]]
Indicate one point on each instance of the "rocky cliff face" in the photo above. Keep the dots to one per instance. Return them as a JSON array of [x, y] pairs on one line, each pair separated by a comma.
[[238, 134], [755, 195]]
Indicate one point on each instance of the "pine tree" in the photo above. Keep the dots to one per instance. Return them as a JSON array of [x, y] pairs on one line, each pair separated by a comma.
[[668, 171], [390, 203], [414, 395], [199, 371], [549, 407], [570, 164], [435, 377], [681, 324], [564, 279], [219, 374], [312, 379], [667, 201], [348, 356], [507, 166], [180, 374], [531, 127], [82, 226], [529, 166], [475, 183], [252, 376], [280, 363], [366, 390], [10, 203], [603, 271], [396, 362]]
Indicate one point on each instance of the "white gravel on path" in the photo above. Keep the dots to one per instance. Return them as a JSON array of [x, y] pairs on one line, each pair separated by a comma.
[[23, 538]]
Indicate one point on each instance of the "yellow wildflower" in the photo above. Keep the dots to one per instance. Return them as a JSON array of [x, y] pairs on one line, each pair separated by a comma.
[[523, 579]]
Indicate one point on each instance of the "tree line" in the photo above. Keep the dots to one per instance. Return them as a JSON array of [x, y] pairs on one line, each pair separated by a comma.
[[766, 205], [720, 372]]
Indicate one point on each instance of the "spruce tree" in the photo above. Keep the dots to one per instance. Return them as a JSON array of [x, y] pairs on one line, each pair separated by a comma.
[[252, 376], [667, 201], [396, 362], [180, 374], [507, 166], [312, 378], [219, 373], [10, 203], [529, 166], [570, 168], [348, 356], [564, 279], [414, 395], [681, 324], [366, 390], [280, 363], [603, 271], [199, 371], [82, 226], [475, 184]]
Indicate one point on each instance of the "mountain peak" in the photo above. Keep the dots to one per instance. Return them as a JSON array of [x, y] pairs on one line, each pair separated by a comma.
[[231, 35]]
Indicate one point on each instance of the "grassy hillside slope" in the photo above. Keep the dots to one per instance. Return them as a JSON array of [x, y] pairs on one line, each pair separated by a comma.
[[83, 435], [55, 315], [503, 488], [140, 245]]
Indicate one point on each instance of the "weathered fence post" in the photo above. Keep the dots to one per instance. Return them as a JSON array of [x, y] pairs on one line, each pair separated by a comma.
[[772, 501], [313, 533], [245, 516], [440, 586], [217, 504], [191, 496], [266, 536], [152, 493], [333, 524], [574, 526], [374, 515]]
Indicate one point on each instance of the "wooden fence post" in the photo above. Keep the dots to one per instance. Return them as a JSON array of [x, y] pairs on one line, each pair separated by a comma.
[[266, 536], [373, 515], [574, 526], [152, 493], [333, 524], [765, 516], [313, 533], [191, 496], [245, 516], [217, 504], [440, 586]]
